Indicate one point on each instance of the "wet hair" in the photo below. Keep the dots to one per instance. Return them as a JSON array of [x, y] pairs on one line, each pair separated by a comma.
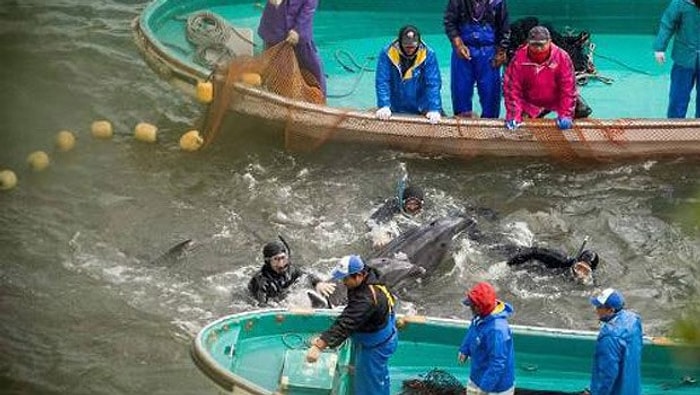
[[589, 257], [273, 248]]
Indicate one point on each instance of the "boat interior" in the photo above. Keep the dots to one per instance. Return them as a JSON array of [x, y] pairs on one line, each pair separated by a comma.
[[349, 35]]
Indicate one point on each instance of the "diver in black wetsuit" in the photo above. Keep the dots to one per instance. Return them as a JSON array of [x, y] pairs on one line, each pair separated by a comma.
[[580, 267]]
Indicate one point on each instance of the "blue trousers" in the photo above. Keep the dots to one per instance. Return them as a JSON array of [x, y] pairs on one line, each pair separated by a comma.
[[372, 367], [477, 70], [682, 82]]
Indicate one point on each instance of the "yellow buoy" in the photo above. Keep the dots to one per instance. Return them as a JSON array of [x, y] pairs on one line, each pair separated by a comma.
[[191, 141], [102, 130], [205, 91], [253, 79], [38, 160], [146, 132], [65, 140], [8, 179]]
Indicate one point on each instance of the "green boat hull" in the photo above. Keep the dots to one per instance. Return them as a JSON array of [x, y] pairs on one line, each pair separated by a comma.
[[261, 352]]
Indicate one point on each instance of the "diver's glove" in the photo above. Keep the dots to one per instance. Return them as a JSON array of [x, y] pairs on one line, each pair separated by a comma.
[[512, 124], [325, 289], [564, 123], [433, 116], [292, 37], [383, 113]]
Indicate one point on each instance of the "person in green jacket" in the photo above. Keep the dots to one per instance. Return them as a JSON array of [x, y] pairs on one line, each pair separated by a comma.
[[682, 19]]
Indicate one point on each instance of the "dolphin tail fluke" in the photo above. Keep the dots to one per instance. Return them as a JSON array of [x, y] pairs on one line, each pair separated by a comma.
[[317, 301]]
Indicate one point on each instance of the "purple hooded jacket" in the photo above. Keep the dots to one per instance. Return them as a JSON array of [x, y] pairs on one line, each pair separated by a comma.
[[298, 15]]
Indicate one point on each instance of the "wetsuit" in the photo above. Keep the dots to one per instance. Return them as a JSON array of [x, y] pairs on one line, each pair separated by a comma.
[[552, 259], [266, 284]]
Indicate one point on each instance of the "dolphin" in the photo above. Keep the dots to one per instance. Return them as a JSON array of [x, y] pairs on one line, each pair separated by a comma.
[[427, 245], [175, 253]]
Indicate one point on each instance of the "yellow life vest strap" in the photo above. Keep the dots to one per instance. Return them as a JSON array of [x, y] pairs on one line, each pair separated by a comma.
[[390, 300]]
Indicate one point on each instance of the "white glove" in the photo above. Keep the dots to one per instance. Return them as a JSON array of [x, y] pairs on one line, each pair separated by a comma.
[[325, 289], [433, 117], [292, 37], [383, 113], [660, 57]]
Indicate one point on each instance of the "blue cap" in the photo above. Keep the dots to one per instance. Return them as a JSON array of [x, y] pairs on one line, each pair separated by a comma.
[[350, 264], [610, 298]]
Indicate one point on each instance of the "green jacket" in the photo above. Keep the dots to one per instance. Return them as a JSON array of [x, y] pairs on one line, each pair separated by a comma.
[[682, 18]]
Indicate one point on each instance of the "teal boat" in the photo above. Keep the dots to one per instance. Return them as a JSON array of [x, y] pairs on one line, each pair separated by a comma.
[[262, 353], [628, 113]]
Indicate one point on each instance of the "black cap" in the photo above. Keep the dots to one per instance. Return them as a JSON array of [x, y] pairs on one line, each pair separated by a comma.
[[412, 192], [273, 248], [409, 36]]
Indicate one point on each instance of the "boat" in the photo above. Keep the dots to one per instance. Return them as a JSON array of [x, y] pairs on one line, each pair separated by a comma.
[[160, 33], [262, 352]]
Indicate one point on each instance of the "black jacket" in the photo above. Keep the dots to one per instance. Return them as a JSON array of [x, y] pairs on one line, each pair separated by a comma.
[[363, 313], [458, 12], [552, 259], [387, 211], [266, 284]]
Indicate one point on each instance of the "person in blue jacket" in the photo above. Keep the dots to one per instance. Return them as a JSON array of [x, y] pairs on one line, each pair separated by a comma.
[[408, 78], [618, 354], [489, 343], [479, 31], [682, 19]]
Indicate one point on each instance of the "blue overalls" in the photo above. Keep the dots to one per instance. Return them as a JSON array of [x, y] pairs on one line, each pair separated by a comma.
[[372, 352], [481, 41]]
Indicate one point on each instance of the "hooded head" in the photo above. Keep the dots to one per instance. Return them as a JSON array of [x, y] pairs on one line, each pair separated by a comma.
[[409, 39], [412, 200], [275, 255], [590, 257], [481, 298]]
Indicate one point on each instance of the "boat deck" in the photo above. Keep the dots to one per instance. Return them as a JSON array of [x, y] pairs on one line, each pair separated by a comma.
[[349, 42]]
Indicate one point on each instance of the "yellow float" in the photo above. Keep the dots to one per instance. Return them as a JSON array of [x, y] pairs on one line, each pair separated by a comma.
[[146, 132], [38, 160], [252, 79], [191, 141], [65, 140], [102, 130], [8, 180], [205, 91]]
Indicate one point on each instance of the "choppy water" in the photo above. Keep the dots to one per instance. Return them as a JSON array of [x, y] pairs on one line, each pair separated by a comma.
[[84, 311]]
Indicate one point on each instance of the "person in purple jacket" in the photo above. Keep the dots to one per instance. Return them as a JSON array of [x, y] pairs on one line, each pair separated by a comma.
[[292, 21]]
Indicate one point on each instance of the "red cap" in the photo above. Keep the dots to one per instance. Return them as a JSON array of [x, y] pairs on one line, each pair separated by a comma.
[[483, 297]]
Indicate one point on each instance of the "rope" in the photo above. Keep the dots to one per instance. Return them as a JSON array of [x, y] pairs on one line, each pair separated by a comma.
[[356, 67], [212, 36]]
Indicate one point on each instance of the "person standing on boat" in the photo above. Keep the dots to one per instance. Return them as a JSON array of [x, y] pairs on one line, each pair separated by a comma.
[[617, 364], [369, 319], [539, 79], [277, 274], [489, 343], [479, 31], [292, 21], [580, 267], [408, 78], [682, 19]]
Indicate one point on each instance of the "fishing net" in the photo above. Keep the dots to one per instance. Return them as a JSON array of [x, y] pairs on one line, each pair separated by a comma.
[[440, 382]]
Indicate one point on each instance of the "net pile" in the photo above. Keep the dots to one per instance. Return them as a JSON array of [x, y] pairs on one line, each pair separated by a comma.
[[279, 73]]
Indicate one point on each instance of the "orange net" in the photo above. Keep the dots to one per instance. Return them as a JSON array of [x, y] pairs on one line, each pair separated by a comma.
[[271, 86]]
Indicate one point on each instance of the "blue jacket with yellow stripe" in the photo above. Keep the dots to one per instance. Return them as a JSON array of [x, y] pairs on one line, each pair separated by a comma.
[[418, 90]]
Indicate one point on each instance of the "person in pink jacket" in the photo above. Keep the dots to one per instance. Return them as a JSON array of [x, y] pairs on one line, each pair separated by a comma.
[[539, 79]]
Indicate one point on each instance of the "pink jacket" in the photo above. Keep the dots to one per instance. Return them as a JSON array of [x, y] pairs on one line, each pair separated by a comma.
[[529, 88]]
